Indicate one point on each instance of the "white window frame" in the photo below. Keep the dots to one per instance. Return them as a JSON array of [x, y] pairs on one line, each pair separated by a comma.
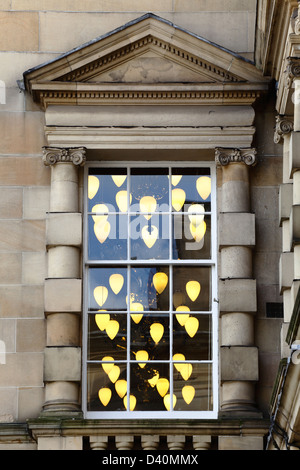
[[127, 414]]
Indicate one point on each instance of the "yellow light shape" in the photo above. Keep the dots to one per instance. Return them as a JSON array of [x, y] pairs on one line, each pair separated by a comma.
[[178, 198], [112, 328], [136, 317], [102, 230], [188, 393], [114, 373], [104, 395], [160, 281], [132, 402], [121, 388], [118, 179], [196, 214], [198, 232], [142, 356], [186, 371], [122, 200], [148, 204], [93, 186], [178, 357], [191, 326], [162, 386], [203, 186], [103, 209], [167, 401], [193, 289], [100, 295], [153, 381], [102, 320], [136, 307], [175, 179], [182, 317], [149, 237], [156, 332], [107, 367], [116, 282]]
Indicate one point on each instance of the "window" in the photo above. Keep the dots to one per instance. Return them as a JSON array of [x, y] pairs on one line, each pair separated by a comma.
[[150, 316]]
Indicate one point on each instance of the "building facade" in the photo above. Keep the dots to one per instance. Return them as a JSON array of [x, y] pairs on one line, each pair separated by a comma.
[[149, 225]]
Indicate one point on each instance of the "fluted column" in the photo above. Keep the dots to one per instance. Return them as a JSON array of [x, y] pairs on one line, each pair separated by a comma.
[[237, 288], [63, 290]]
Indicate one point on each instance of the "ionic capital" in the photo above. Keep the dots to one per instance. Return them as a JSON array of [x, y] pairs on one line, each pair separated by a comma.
[[297, 22], [52, 155], [226, 156], [292, 70], [284, 125]]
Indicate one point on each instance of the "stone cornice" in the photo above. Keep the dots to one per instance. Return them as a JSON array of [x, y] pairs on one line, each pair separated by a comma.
[[226, 156], [52, 155], [284, 126]]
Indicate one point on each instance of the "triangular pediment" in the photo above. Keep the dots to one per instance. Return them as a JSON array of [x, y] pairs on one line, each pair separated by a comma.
[[146, 56]]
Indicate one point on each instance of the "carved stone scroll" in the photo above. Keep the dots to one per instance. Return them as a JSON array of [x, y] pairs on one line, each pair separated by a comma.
[[52, 155], [225, 156], [284, 126]]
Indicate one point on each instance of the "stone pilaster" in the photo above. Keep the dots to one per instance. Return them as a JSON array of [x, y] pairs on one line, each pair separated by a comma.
[[63, 289], [237, 288]]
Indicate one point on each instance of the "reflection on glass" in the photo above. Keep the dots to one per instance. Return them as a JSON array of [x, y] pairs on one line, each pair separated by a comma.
[[103, 187], [195, 392], [149, 385], [196, 346], [110, 339], [193, 283], [152, 185], [151, 334], [144, 282], [107, 288], [149, 238], [193, 187], [107, 239], [191, 241], [101, 387]]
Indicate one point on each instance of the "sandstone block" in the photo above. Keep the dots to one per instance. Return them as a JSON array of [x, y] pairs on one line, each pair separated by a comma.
[[241, 443], [237, 295], [64, 229], [285, 201], [63, 295], [62, 364], [25, 24], [239, 363], [236, 229], [11, 203], [286, 271]]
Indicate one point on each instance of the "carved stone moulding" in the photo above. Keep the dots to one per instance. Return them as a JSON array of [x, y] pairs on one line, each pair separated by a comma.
[[52, 155], [292, 70], [226, 156], [284, 126]]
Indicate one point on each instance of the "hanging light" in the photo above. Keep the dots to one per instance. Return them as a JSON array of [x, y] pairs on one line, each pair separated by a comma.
[[178, 198], [121, 388], [156, 332], [198, 232], [118, 179], [193, 290], [136, 307], [160, 281], [191, 326], [104, 395], [142, 356], [186, 371], [167, 401], [162, 386], [112, 329], [122, 200], [116, 282], [188, 393], [103, 210], [114, 373], [149, 237], [203, 186], [196, 214], [107, 366], [153, 381], [132, 402], [178, 357], [148, 204], [175, 179], [93, 186], [100, 295], [102, 230], [102, 320]]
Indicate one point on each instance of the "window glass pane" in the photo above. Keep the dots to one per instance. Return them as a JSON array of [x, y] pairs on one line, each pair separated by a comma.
[[149, 190], [150, 338], [193, 387], [192, 336], [107, 237], [192, 288], [149, 288], [149, 238], [191, 236], [107, 336], [105, 186], [105, 392], [107, 288], [191, 186], [150, 384]]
